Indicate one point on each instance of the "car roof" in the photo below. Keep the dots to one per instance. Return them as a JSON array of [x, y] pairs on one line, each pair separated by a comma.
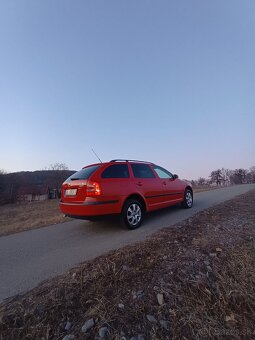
[[129, 160], [118, 161]]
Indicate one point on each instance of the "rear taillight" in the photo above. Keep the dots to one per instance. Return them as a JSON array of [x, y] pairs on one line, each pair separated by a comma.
[[93, 189]]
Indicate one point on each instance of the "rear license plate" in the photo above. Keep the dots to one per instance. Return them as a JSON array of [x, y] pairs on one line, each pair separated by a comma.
[[70, 192]]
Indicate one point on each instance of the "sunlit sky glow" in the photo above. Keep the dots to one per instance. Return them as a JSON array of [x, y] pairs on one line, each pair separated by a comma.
[[172, 82]]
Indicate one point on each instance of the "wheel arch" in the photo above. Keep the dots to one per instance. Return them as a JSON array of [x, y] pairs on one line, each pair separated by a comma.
[[188, 187], [137, 197]]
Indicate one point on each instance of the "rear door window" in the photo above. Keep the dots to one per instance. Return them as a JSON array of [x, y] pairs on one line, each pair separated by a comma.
[[116, 171], [84, 173], [142, 171]]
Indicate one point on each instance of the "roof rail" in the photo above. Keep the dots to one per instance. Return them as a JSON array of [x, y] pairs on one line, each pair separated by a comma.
[[129, 160]]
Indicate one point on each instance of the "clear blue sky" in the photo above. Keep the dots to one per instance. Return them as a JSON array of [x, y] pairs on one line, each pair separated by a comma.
[[172, 82]]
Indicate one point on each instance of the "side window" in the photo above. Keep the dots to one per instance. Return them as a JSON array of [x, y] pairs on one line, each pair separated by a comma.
[[142, 171], [116, 171], [162, 173]]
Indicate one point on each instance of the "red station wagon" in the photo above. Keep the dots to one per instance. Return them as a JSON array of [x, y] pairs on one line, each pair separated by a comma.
[[126, 187]]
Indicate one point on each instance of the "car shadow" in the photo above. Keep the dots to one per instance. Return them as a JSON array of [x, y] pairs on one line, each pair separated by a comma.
[[111, 224], [105, 225], [162, 212]]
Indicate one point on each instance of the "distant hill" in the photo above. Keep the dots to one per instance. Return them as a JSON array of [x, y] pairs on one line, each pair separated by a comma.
[[10, 183]]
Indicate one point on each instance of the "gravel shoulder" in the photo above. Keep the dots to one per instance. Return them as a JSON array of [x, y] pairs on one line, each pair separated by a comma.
[[195, 280]]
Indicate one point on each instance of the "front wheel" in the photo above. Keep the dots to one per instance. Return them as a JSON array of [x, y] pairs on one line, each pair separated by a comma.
[[132, 214], [188, 199]]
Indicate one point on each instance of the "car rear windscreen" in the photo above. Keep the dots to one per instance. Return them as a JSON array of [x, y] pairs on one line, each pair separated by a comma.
[[84, 173]]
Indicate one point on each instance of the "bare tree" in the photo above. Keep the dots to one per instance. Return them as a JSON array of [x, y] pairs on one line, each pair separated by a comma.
[[238, 176], [202, 181], [226, 177], [57, 166], [216, 177], [226, 173], [251, 174]]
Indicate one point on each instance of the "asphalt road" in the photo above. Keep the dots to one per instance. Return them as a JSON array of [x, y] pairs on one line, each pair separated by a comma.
[[30, 257]]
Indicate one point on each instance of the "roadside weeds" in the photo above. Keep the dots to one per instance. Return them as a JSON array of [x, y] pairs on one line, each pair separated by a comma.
[[16, 217]]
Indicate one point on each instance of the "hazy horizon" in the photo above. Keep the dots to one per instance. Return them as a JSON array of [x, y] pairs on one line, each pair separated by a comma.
[[182, 177], [168, 82]]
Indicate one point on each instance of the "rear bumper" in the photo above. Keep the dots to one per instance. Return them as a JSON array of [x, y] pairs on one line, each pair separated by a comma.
[[94, 218], [90, 208]]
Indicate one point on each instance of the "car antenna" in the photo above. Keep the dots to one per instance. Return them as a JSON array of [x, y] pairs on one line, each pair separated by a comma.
[[96, 155]]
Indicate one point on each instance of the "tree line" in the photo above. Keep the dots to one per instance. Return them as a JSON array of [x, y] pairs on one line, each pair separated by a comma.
[[225, 177], [52, 177]]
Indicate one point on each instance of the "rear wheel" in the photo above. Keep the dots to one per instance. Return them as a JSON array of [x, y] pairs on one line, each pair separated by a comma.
[[188, 199], [132, 214]]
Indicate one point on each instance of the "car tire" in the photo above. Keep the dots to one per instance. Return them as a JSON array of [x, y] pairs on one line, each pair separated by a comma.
[[188, 199], [132, 214]]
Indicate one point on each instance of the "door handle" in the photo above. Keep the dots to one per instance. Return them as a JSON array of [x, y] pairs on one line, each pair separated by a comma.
[[164, 183], [139, 184]]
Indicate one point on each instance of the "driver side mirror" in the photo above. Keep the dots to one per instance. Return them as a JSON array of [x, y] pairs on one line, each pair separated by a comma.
[[175, 176]]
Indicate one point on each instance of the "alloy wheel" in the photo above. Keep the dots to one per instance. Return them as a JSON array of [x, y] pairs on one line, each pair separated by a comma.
[[189, 199], [134, 214]]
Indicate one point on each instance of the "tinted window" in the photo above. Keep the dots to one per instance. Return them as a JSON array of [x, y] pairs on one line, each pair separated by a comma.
[[84, 173], [142, 171], [162, 173], [116, 171]]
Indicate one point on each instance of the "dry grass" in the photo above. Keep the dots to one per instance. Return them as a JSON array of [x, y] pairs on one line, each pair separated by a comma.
[[204, 188], [204, 267], [18, 217]]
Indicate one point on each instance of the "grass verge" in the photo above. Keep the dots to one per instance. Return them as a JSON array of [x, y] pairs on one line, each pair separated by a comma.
[[31, 215]]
